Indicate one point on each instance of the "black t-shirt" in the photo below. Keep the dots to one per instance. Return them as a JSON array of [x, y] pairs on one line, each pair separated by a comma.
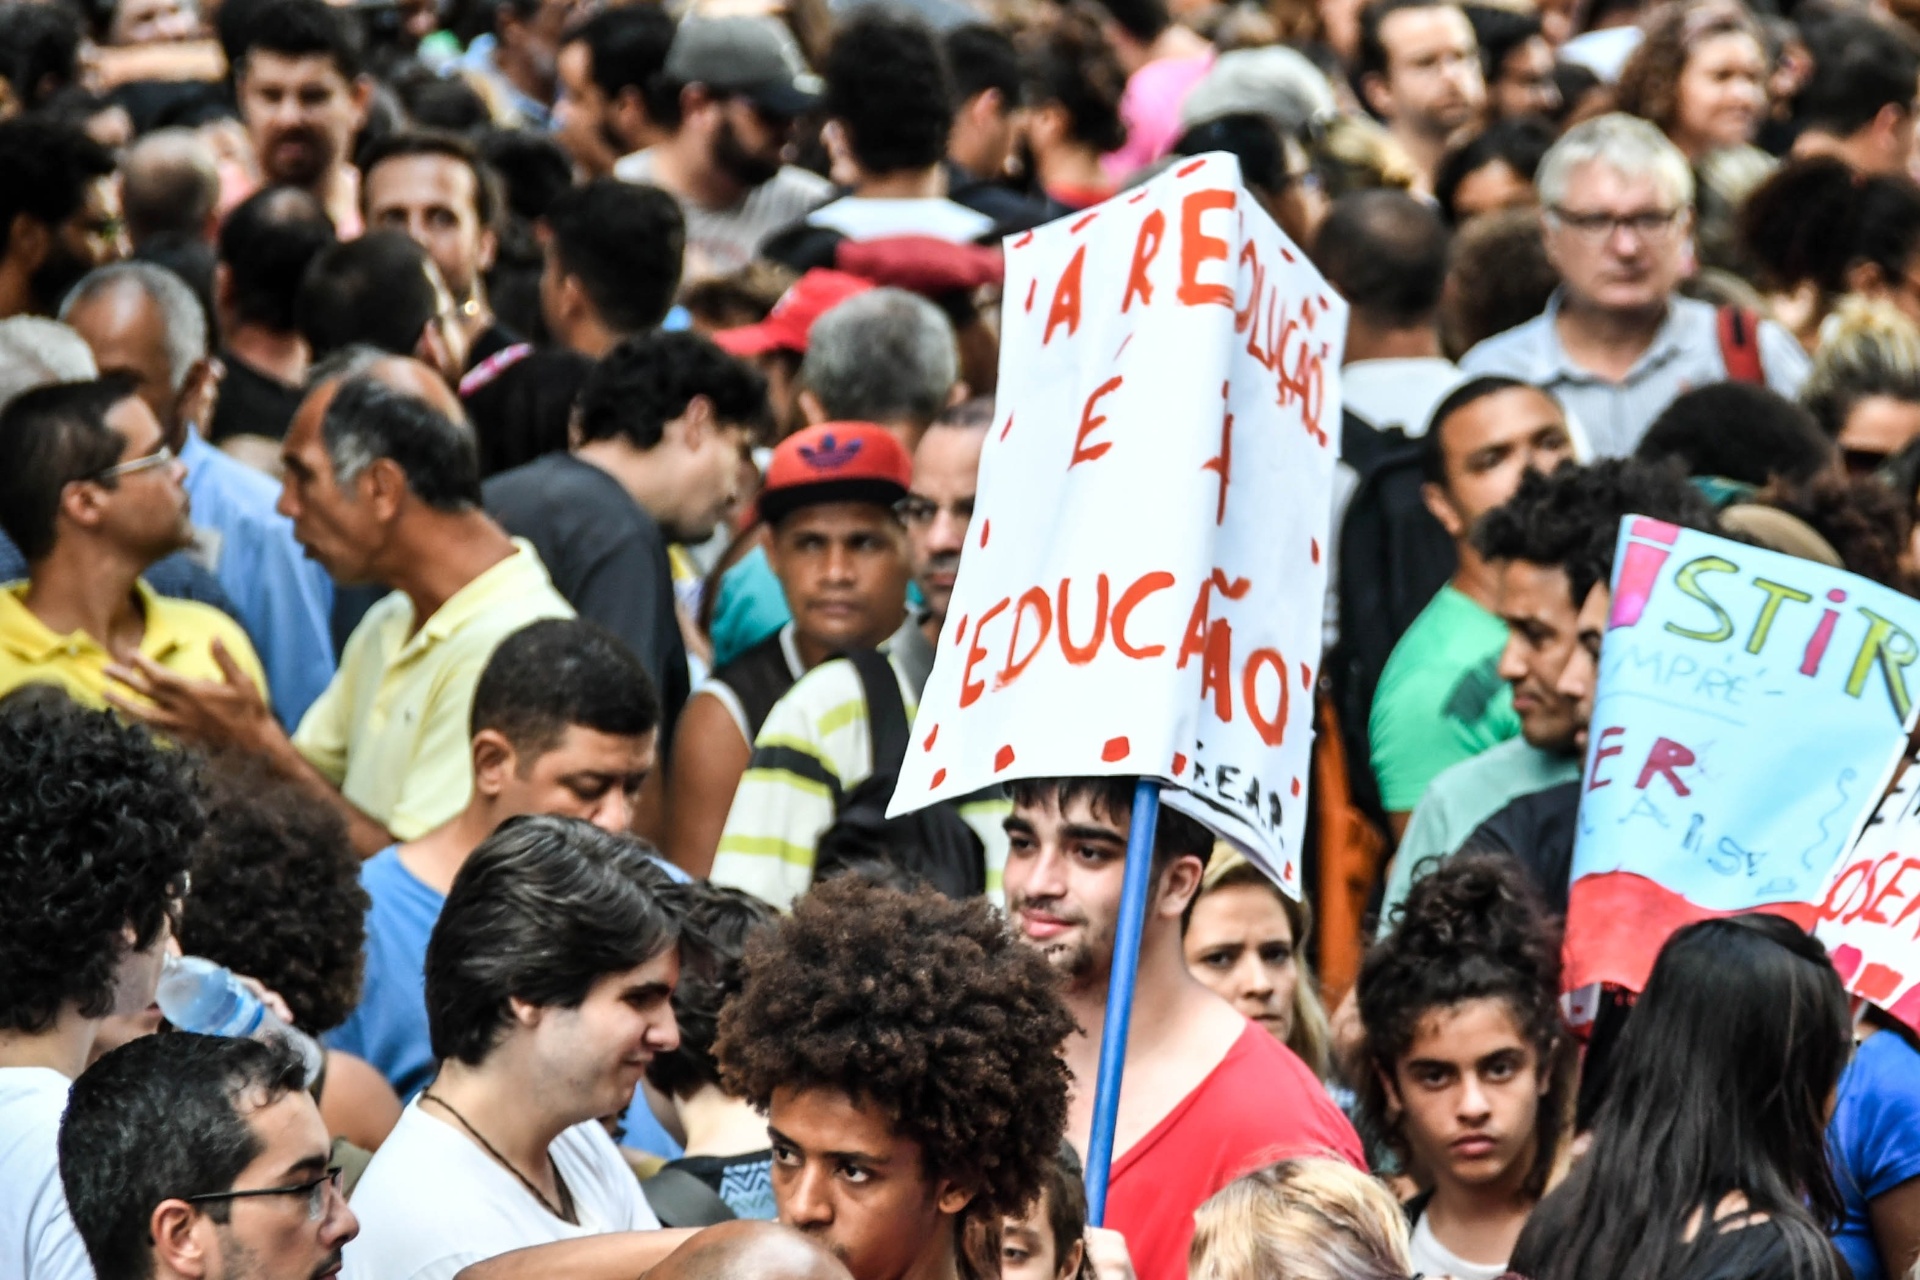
[[492, 341], [606, 555], [251, 403], [1537, 830]]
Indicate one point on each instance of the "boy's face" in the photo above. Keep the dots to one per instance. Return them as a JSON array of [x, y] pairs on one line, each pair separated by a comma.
[[842, 1175]]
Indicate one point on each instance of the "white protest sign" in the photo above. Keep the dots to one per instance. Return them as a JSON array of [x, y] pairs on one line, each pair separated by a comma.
[[1870, 914], [1142, 589]]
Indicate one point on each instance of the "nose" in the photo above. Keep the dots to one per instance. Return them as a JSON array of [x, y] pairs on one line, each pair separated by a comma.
[[614, 813], [340, 1225], [1511, 668], [1576, 678], [1474, 1106], [664, 1035], [1255, 983], [1046, 876], [839, 568], [288, 505], [947, 534], [807, 1203], [177, 471]]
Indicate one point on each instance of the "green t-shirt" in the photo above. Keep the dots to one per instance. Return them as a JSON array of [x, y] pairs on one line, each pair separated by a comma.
[[1441, 699]]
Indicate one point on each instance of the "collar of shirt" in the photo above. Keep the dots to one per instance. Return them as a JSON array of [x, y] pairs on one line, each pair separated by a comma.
[[518, 573], [1553, 365], [23, 634]]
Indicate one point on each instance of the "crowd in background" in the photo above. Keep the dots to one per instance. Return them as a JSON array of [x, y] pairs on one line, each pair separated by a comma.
[[481, 486]]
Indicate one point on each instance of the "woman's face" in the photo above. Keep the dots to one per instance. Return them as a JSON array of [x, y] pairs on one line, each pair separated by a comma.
[[1722, 95], [1468, 1089], [1490, 188], [1028, 1250], [1240, 943]]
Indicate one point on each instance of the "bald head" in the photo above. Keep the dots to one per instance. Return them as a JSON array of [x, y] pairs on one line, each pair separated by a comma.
[[170, 183], [410, 377], [750, 1251]]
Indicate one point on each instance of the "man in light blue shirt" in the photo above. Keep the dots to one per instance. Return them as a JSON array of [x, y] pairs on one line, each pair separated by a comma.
[[1616, 343], [141, 320]]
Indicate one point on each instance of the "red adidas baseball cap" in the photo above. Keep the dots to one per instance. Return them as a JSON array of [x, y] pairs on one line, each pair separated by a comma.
[[835, 462], [786, 326]]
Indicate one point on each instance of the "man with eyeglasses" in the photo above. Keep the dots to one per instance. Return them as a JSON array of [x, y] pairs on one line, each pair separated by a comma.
[[92, 496], [201, 1157], [97, 823], [837, 547], [59, 213], [1617, 342]]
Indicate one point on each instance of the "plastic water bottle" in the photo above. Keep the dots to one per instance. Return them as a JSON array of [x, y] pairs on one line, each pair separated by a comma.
[[198, 995]]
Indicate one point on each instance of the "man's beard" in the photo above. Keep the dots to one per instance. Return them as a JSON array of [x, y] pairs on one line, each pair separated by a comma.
[[738, 163], [313, 164], [60, 271]]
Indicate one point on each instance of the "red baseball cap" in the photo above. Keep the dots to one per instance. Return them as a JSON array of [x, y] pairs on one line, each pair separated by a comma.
[[835, 462], [786, 326]]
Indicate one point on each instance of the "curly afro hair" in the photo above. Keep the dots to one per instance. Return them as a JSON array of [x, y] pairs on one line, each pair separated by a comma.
[[1571, 519], [924, 1006], [888, 84], [276, 892], [1473, 928], [96, 825]]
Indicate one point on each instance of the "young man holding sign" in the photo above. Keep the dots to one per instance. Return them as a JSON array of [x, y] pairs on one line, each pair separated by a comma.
[[1208, 1094]]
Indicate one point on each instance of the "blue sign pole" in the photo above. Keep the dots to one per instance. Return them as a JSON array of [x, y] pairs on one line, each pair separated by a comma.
[[1134, 886]]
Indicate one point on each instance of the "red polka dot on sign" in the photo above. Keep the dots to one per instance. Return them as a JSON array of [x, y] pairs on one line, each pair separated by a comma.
[[1287, 871], [1115, 750], [1314, 545], [1002, 758], [1306, 676], [932, 735], [939, 776], [1023, 241], [1009, 427], [1179, 764], [986, 527], [1186, 169], [1296, 786], [960, 632], [1082, 224], [1033, 286]]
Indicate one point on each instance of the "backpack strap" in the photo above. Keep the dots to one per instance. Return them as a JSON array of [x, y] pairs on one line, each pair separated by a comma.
[[887, 727], [681, 1199], [1739, 331]]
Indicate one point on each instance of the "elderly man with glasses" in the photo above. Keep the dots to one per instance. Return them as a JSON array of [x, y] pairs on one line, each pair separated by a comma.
[[1617, 342], [93, 496], [199, 1156]]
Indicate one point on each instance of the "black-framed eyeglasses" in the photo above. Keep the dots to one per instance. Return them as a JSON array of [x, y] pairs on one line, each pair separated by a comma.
[[315, 1192], [1647, 224]]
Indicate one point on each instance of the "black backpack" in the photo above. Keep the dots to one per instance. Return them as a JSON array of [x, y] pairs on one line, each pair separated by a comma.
[[1394, 558], [934, 844]]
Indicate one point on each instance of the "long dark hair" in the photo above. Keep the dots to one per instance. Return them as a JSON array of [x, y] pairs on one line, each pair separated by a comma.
[[1720, 1085]]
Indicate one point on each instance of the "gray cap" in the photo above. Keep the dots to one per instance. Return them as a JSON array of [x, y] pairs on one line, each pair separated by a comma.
[[1275, 81], [755, 57]]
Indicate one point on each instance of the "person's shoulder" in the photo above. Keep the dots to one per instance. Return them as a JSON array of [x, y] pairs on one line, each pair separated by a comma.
[[32, 1099], [1517, 352], [816, 696], [1427, 643], [800, 183], [190, 621], [1282, 1105]]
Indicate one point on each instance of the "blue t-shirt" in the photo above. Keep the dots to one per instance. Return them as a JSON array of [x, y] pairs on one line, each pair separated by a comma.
[[389, 1027], [1875, 1140]]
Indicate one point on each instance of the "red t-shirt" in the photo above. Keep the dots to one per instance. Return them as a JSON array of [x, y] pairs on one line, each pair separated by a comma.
[[1261, 1104]]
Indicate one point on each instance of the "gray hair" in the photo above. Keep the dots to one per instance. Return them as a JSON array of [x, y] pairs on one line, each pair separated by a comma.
[[37, 352], [1626, 144], [183, 323], [885, 356]]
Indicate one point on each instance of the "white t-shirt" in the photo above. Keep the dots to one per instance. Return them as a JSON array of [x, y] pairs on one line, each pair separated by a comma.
[[1431, 1258], [432, 1202], [37, 1237]]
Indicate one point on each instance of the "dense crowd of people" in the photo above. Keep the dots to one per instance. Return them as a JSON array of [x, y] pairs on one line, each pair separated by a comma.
[[482, 483]]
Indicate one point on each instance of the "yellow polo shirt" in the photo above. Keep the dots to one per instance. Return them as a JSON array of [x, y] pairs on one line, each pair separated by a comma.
[[179, 637], [391, 729]]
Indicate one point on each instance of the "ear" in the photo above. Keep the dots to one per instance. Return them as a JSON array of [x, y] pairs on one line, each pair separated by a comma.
[[383, 485], [697, 423], [960, 394], [362, 94], [1391, 1088], [28, 239], [176, 1246], [1070, 1264], [489, 249], [1375, 95], [1179, 884], [952, 1199], [524, 1012], [200, 393], [987, 106], [222, 286], [1442, 508], [811, 409], [494, 761], [83, 504]]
